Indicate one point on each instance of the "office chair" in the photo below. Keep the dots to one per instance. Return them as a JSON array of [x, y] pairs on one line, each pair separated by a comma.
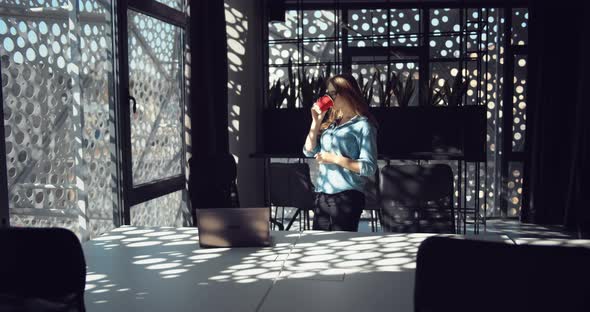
[[467, 275], [373, 201], [417, 198], [291, 186], [214, 183], [41, 269]]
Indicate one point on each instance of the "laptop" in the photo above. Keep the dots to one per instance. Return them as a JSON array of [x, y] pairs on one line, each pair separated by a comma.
[[234, 227]]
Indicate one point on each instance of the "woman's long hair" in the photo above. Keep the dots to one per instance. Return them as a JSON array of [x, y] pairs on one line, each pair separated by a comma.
[[347, 86]]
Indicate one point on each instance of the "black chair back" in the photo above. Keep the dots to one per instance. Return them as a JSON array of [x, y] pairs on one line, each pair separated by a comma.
[[291, 186], [417, 198], [372, 197], [41, 269], [214, 183], [466, 275]]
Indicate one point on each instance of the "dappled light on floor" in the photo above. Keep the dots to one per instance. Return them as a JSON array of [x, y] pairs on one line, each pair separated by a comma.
[[514, 228]]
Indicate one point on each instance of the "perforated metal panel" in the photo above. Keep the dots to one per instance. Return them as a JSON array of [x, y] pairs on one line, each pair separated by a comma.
[[57, 80]]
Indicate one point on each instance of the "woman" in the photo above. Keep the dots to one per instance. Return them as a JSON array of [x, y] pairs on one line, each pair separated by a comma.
[[345, 146]]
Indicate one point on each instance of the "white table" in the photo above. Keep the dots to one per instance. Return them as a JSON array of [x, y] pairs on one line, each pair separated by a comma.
[[553, 242], [163, 269]]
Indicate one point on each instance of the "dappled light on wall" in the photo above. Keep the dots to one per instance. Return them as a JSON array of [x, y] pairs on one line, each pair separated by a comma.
[[236, 25]]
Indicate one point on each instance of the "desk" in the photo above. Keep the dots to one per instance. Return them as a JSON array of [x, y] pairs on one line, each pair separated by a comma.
[[163, 269], [553, 242]]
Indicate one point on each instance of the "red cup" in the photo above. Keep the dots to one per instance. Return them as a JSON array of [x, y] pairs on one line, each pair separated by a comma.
[[324, 103]]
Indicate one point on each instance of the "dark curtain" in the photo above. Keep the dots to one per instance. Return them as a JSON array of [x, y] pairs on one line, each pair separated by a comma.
[[557, 172], [208, 100]]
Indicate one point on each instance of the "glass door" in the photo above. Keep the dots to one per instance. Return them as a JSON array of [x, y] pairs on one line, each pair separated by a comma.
[[152, 112], [4, 203]]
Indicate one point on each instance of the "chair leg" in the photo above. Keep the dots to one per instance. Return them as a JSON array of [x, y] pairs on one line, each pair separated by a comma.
[[293, 219], [372, 221], [283, 214], [277, 223], [276, 215], [308, 223], [304, 217]]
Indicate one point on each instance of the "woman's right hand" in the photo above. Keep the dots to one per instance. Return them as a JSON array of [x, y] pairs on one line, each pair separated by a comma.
[[316, 115], [316, 120]]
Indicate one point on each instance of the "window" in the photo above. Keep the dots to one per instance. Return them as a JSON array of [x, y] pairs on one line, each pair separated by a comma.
[[58, 97], [433, 47]]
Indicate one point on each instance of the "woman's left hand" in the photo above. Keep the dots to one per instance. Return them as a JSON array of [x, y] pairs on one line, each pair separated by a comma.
[[326, 158]]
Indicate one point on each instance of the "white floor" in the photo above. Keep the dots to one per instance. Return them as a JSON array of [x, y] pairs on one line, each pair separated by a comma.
[[510, 227]]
